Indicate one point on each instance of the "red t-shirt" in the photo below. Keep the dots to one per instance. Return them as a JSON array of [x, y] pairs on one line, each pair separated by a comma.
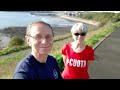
[[76, 64]]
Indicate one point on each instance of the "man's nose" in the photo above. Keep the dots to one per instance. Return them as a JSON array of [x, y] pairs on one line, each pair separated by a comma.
[[43, 40]]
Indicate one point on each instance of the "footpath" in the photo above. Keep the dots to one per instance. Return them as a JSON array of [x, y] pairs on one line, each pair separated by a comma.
[[107, 54], [107, 58]]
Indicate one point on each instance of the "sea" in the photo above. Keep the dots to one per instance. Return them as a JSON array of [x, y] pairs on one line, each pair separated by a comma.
[[21, 19]]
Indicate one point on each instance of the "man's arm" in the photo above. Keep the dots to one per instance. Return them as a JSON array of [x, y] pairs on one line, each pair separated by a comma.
[[20, 75]]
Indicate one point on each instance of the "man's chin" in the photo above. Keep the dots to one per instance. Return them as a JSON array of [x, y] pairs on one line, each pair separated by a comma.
[[44, 52]]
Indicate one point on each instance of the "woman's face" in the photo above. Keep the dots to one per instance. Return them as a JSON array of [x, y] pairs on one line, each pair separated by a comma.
[[78, 36]]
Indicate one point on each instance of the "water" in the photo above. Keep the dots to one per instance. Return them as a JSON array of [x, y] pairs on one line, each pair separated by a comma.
[[17, 18], [22, 19], [4, 40]]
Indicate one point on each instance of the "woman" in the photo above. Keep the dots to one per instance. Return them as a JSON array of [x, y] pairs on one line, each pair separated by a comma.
[[77, 54]]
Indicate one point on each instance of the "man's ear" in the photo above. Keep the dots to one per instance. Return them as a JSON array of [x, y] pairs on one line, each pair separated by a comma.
[[27, 40]]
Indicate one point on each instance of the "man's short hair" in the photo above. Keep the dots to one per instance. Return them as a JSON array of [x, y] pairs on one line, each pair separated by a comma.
[[28, 30]]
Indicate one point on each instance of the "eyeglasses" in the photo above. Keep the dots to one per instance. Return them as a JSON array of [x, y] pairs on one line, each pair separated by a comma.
[[39, 37], [81, 34]]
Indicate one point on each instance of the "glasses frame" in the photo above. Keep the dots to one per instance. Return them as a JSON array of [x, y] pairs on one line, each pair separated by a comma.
[[41, 37], [81, 34]]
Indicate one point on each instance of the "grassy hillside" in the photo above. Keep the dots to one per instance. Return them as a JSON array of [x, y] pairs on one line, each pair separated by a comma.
[[9, 62]]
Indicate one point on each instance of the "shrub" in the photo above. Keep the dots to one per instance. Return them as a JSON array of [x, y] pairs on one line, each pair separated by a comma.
[[15, 41], [60, 62]]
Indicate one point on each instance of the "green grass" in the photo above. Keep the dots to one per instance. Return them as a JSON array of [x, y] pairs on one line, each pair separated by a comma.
[[9, 50], [103, 33], [12, 59], [7, 65]]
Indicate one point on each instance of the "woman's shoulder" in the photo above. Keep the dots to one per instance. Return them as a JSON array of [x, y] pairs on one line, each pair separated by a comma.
[[66, 45], [89, 47]]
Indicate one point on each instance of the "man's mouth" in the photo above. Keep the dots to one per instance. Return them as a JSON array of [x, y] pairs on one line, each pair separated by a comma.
[[44, 47]]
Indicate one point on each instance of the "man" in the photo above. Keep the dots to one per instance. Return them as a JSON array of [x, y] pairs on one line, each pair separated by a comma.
[[38, 64]]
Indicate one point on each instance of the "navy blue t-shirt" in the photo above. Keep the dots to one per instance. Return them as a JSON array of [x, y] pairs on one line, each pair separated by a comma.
[[30, 68]]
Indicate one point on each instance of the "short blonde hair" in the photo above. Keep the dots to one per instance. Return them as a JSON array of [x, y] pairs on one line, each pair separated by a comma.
[[80, 26]]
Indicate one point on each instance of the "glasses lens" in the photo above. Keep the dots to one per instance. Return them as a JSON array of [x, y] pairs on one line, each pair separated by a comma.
[[77, 34], [82, 34]]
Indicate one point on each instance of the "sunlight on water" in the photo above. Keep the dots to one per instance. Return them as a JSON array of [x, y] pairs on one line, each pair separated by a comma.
[[9, 18]]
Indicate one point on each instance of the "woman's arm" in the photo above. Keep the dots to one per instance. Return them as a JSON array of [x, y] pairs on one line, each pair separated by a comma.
[[64, 59]]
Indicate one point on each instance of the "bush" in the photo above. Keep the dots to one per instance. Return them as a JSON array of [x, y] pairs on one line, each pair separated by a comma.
[[15, 41], [60, 62], [116, 18]]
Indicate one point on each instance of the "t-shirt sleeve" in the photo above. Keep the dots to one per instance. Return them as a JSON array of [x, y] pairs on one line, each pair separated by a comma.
[[64, 50], [20, 75], [22, 71], [91, 55]]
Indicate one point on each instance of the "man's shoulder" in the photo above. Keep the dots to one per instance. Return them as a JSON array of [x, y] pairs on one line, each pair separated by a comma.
[[24, 63], [23, 68], [51, 57]]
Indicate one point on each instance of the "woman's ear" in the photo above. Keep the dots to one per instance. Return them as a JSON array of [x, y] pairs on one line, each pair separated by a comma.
[[27, 40]]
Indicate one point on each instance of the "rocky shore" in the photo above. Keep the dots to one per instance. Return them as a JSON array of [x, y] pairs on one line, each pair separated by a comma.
[[7, 33], [20, 31]]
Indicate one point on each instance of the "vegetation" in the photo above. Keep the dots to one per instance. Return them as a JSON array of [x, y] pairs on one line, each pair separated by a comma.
[[16, 41], [12, 49], [59, 61], [103, 18], [91, 41], [92, 38], [17, 44]]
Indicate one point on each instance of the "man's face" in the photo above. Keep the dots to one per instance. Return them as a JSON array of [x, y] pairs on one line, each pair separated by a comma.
[[41, 39]]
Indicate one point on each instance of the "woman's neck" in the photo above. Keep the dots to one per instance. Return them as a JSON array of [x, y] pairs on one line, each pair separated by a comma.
[[78, 47]]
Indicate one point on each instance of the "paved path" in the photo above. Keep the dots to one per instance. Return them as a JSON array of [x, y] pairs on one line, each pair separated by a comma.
[[107, 64]]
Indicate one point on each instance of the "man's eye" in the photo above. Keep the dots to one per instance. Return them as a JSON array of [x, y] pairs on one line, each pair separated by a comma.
[[48, 37], [38, 36]]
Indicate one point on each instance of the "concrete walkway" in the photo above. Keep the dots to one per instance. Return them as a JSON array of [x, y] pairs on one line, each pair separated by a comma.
[[107, 62]]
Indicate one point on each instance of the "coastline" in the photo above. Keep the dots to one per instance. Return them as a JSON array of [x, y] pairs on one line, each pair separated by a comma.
[[80, 20], [20, 31], [7, 33]]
